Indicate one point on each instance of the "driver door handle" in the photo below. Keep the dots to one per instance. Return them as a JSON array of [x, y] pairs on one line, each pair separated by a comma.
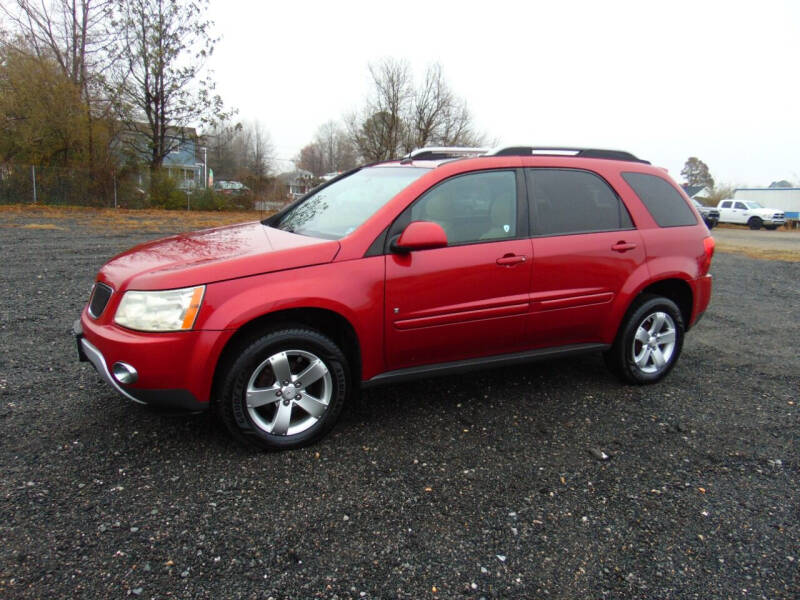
[[511, 259], [623, 246]]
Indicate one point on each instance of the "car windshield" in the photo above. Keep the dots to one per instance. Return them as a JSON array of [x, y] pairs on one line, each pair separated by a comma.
[[753, 205], [336, 210]]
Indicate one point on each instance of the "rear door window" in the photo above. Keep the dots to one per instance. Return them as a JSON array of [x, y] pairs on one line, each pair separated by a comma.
[[662, 200], [565, 201]]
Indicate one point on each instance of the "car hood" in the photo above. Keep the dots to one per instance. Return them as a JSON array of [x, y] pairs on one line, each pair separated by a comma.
[[214, 255]]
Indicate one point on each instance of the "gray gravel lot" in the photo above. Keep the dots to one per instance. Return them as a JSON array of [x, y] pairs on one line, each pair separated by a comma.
[[483, 485]]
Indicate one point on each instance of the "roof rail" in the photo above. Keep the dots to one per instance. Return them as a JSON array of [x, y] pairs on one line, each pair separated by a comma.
[[440, 152], [565, 151]]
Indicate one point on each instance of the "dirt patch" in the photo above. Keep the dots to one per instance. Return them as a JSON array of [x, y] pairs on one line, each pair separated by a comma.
[[121, 219]]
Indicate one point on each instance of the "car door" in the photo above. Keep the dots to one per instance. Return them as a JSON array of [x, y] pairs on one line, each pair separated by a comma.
[[726, 211], [470, 298], [585, 248], [740, 212]]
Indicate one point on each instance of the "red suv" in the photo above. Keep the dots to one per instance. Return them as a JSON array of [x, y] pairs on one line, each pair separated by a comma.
[[434, 264]]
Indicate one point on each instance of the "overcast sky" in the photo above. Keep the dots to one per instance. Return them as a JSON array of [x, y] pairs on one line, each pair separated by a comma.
[[664, 80]]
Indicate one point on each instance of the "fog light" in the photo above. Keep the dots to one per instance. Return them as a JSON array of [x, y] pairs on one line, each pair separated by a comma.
[[124, 373]]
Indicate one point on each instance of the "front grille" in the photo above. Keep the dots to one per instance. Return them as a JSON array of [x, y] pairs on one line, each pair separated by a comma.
[[100, 296]]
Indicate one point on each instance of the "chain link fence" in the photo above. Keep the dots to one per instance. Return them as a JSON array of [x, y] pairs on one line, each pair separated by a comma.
[[32, 184], [58, 186]]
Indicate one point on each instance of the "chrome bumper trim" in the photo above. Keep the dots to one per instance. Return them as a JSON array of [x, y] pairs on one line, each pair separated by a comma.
[[98, 360]]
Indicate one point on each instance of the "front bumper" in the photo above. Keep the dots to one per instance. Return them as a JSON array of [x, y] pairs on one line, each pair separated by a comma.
[[174, 398]]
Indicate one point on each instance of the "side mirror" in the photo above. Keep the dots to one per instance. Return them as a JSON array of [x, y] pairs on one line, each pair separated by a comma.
[[420, 235]]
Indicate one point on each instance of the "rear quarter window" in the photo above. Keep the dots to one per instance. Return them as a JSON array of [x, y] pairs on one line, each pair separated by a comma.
[[663, 202]]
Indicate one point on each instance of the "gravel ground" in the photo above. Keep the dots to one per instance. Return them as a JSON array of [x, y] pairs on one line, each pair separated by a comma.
[[489, 485]]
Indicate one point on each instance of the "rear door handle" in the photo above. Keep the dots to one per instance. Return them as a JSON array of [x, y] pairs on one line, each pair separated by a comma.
[[623, 246], [511, 259]]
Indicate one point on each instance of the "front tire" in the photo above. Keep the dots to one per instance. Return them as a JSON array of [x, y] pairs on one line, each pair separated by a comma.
[[285, 389], [754, 223], [649, 341], [770, 227]]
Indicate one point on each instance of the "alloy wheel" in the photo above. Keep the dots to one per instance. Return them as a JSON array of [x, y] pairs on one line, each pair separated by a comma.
[[654, 343], [289, 392]]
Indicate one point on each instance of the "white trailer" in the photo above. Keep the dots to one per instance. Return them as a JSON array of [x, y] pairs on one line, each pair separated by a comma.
[[785, 199]]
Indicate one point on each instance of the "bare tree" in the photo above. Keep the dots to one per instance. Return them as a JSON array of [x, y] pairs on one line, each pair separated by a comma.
[[327, 139], [165, 44], [720, 192], [260, 151], [240, 150], [399, 117], [338, 153], [74, 33], [380, 128], [311, 159], [331, 151], [219, 139]]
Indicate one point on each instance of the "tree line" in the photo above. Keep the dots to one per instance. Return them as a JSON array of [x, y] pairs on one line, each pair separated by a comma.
[[111, 88], [398, 116], [105, 87]]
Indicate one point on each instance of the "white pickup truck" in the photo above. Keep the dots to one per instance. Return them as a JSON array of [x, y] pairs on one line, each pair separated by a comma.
[[752, 214]]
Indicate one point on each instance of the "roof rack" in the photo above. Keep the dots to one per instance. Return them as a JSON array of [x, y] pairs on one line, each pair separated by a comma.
[[564, 151], [440, 152]]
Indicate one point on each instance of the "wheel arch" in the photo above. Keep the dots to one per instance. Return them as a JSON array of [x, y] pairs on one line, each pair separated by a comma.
[[676, 289], [326, 321]]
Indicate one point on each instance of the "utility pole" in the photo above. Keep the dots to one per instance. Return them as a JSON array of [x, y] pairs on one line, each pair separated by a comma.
[[205, 167]]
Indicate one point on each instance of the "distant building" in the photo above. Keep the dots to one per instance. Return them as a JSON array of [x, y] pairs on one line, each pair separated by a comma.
[[697, 192], [786, 199], [298, 182], [181, 163]]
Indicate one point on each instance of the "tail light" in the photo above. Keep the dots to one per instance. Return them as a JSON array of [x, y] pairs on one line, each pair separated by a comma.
[[708, 247]]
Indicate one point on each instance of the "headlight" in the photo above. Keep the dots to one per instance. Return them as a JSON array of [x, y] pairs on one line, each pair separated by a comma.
[[170, 310]]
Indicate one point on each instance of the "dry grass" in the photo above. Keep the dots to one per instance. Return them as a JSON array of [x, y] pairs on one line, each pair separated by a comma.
[[762, 253], [42, 226], [788, 228], [106, 219]]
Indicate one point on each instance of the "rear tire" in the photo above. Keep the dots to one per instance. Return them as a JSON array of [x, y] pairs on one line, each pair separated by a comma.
[[754, 223], [648, 342], [284, 390]]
